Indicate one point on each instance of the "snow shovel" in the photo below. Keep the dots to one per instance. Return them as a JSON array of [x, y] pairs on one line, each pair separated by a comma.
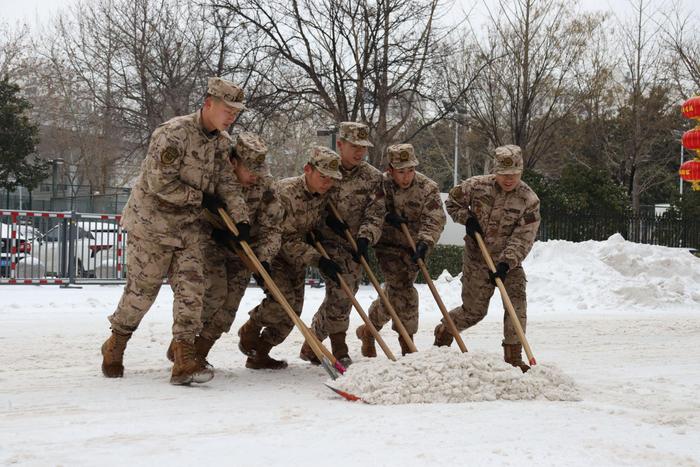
[[506, 300], [332, 366], [448, 319], [378, 287], [358, 307]]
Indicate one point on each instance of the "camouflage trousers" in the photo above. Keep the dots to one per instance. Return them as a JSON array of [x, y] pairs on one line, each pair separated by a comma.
[[333, 316], [226, 279], [477, 291], [147, 264], [400, 273], [270, 315]]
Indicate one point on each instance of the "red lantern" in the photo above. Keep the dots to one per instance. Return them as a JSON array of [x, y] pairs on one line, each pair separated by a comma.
[[691, 108], [691, 139], [690, 172]]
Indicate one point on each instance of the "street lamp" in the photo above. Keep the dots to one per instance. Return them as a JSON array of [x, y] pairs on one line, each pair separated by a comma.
[[331, 131], [458, 113]]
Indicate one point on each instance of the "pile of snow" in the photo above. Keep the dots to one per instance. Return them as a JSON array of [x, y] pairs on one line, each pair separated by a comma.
[[444, 375], [610, 275]]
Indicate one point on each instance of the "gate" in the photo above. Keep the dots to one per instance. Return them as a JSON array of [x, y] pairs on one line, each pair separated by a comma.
[[61, 248]]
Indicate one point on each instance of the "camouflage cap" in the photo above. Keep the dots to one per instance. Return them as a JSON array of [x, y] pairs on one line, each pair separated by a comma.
[[326, 161], [251, 150], [401, 156], [356, 133], [508, 160], [231, 94]]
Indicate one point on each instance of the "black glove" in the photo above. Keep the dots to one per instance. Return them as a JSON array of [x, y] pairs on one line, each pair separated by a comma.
[[501, 272], [258, 278], [472, 225], [421, 250], [243, 232], [211, 202], [313, 236], [362, 245], [221, 237], [336, 225], [329, 269], [394, 219]]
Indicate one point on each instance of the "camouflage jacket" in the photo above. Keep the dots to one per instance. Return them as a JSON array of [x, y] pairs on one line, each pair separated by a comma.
[[509, 219], [266, 214], [183, 161], [303, 211], [359, 198], [421, 205]]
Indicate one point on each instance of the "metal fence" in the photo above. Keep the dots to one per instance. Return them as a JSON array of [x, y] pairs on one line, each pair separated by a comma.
[[41, 247], [640, 228]]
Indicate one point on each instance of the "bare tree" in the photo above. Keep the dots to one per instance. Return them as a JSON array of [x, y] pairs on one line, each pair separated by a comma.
[[352, 60], [528, 89], [643, 82], [681, 36]]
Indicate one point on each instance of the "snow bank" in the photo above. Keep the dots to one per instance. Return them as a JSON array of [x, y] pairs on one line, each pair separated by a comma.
[[610, 275], [443, 375], [613, 274]]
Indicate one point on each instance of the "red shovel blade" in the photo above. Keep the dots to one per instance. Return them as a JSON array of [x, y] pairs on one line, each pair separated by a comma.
[[344, 395], [533, 362]]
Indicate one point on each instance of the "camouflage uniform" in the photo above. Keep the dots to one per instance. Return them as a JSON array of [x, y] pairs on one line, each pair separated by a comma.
[[421, 206], [359, 198], [164, 217], [226, 275], [303, 212], [510, 221]]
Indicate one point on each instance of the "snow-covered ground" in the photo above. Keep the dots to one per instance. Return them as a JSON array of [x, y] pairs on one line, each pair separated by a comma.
[[621, 320]]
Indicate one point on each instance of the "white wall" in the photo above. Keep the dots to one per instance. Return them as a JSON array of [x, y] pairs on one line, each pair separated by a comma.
[[453, 233]]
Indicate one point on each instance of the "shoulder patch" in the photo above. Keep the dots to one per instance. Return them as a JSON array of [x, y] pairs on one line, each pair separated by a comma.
[[456, 192], [169, 155], [268, 196], [529, 218]]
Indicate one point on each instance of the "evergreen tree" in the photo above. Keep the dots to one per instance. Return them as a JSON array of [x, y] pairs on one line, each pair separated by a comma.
[[18, 138]]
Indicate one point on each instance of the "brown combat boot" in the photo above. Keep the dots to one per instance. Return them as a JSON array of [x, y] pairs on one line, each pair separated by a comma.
[[443, 338], [368, 349], [113, 355], [262, 360], [404, 346], [249, 335], [202, 346], [308, 355], [512, 353], [340, 349], [187, 368]]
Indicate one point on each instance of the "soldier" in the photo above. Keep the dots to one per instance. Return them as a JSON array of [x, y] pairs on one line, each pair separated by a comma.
[[304, 200], [226, 275], [509, 212], [414, 200], [184, 169], [359, 199]]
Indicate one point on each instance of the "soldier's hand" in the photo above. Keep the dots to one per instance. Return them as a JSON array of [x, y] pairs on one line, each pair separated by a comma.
[[258, 278], [501, 272], [329, 269], [243, 232], [394, 219], [421, 251], [472, 225], [336, 225], [362, 245], [211, 202], [313, 236]]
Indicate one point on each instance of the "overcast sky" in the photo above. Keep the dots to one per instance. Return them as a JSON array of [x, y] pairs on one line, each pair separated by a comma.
[[29, 11]]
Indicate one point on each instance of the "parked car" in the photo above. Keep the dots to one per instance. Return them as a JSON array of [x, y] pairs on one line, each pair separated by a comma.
[[23, 248], [91, 238]]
